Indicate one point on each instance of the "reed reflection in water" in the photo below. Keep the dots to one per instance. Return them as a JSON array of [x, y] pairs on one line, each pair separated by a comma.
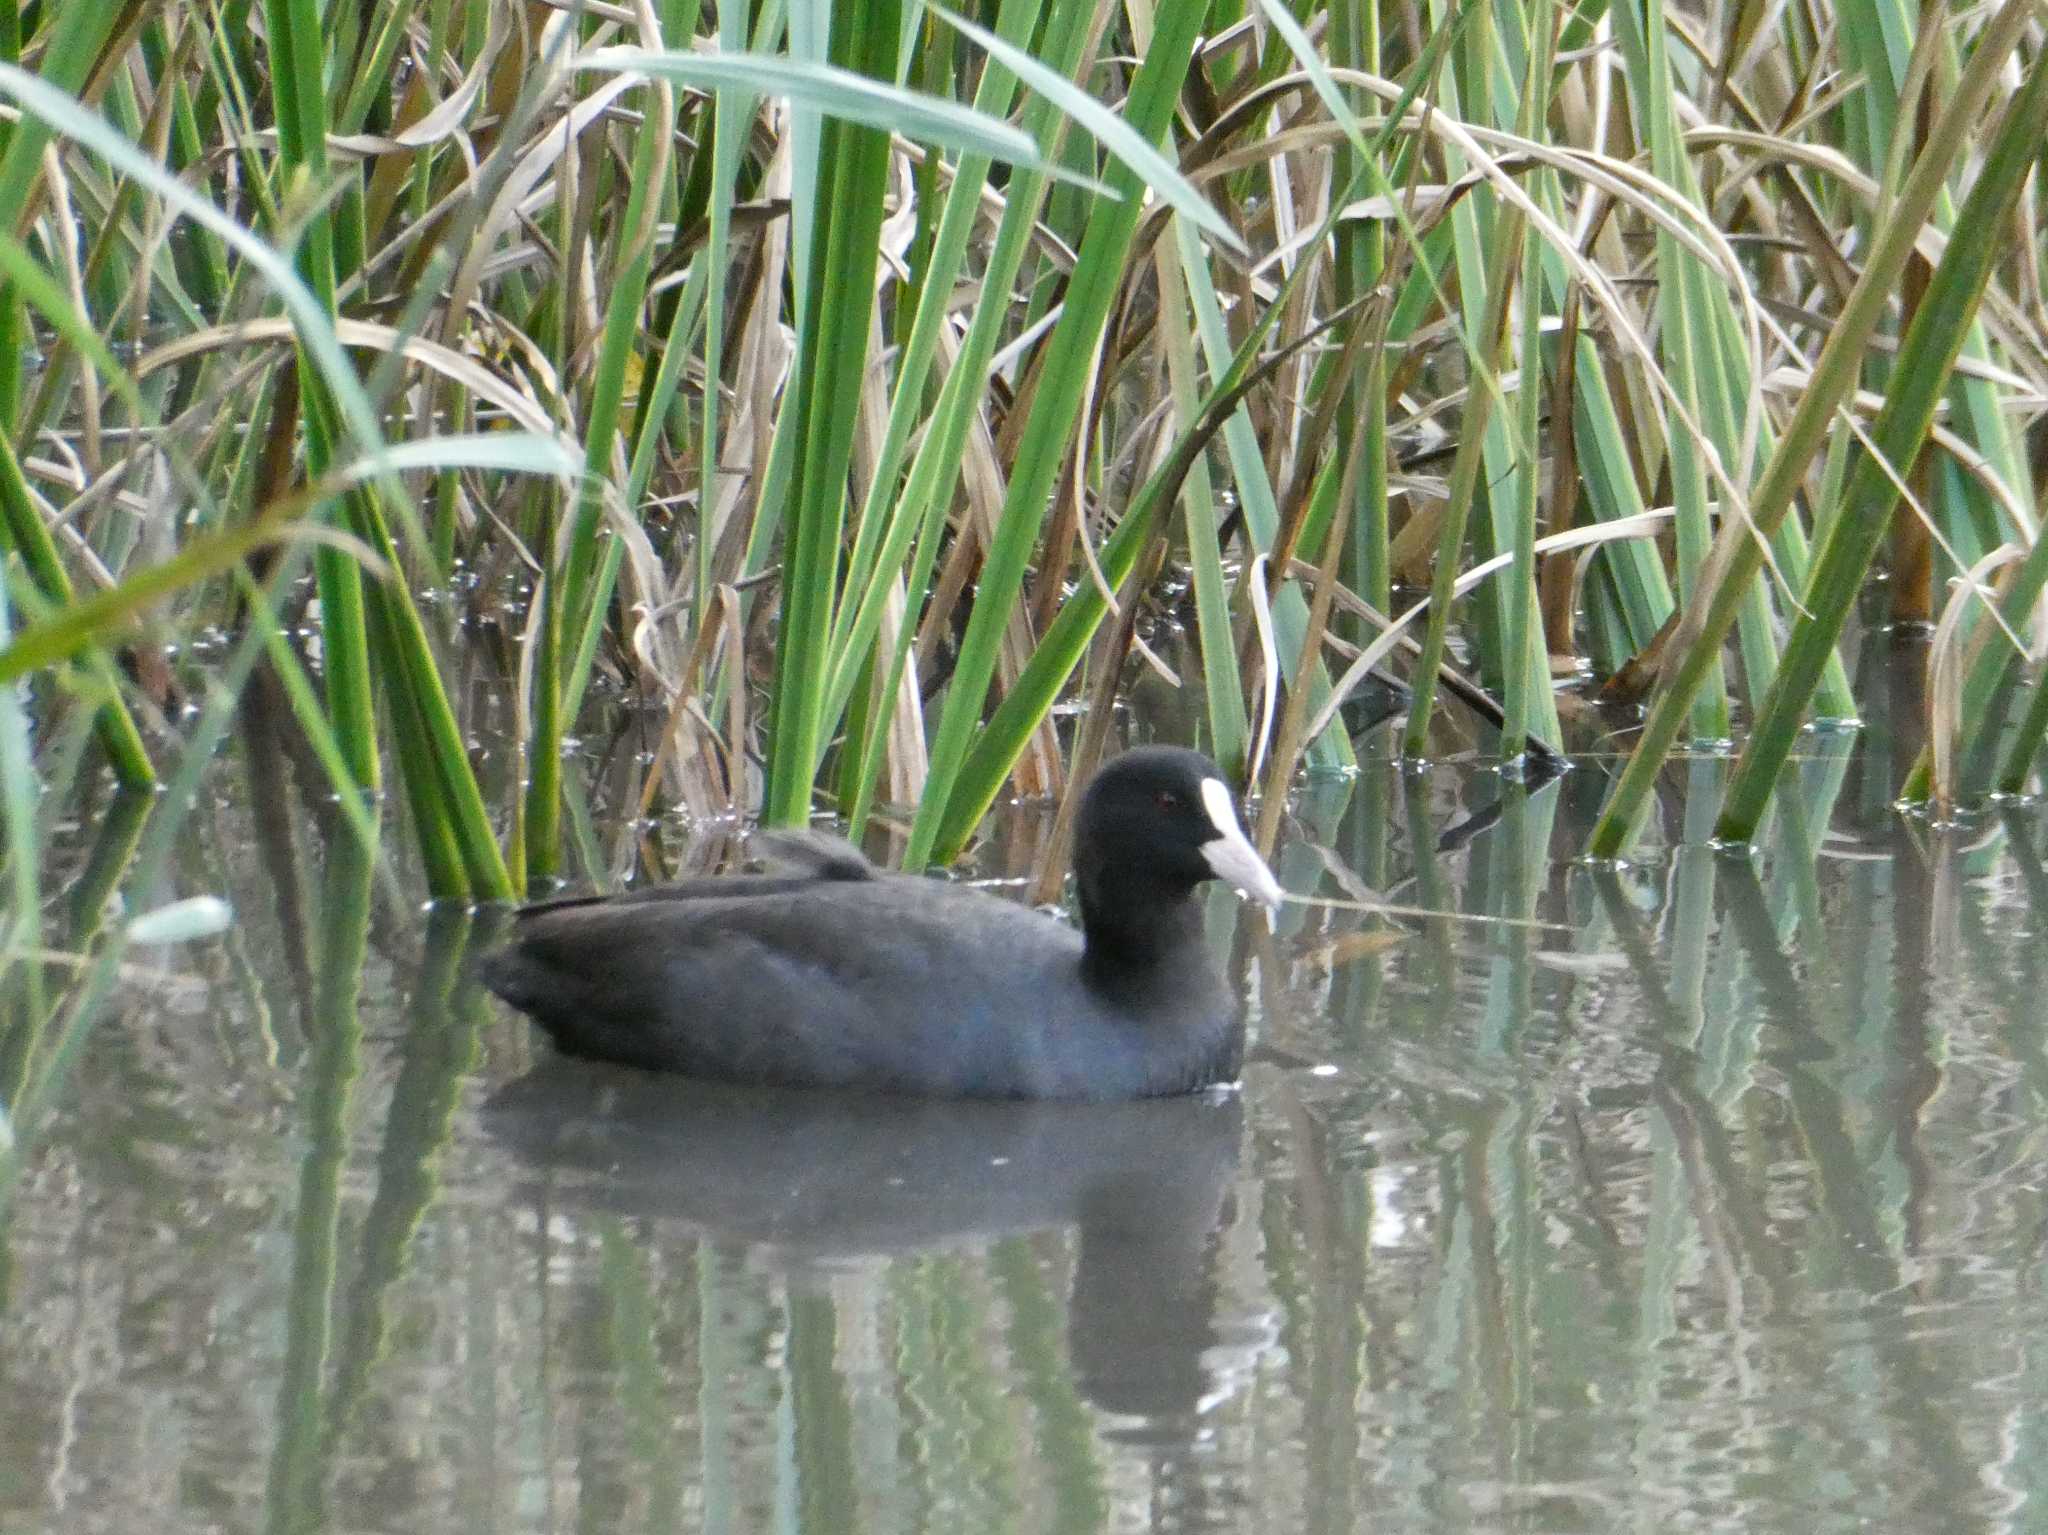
[[1703, 1191]]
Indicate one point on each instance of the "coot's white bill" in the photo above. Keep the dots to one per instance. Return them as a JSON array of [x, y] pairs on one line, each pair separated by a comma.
[[1231, 854]]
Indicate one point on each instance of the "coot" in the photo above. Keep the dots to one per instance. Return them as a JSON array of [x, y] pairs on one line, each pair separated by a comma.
[[842, 975]]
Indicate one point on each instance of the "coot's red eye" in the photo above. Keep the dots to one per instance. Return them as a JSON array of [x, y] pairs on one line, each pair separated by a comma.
[[1166, 799]]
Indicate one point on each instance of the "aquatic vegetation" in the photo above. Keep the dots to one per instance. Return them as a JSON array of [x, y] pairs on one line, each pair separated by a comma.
[[854, 385], [871, 404]]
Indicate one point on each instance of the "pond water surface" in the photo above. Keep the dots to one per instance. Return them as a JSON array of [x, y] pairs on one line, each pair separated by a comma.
[[1704, 1194]]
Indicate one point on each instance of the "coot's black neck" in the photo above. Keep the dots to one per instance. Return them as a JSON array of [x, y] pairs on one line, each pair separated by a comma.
[[1139, 926]]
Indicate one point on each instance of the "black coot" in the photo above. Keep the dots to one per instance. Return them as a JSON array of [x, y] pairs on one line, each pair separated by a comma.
[[842, 975]]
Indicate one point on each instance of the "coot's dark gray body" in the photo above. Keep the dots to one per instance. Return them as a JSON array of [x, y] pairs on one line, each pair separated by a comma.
[[845, 976]]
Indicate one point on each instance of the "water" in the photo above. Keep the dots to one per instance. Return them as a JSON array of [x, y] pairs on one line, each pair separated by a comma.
[[1713, 1202]]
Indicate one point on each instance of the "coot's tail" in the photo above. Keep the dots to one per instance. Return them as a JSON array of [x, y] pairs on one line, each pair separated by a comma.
[[536, 988], [503, 972], [576, 1011]]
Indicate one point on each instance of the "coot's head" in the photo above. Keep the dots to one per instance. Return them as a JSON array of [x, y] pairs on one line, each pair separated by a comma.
[[1155, 823]]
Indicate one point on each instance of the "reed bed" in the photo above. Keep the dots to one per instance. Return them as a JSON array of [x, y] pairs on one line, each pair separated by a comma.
[[860, 385]]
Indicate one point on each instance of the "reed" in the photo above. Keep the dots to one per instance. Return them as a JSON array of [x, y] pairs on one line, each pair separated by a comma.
[[819, 376]]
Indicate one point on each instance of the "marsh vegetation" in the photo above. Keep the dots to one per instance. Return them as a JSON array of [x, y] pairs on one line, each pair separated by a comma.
[[450, 448], [857, 386]]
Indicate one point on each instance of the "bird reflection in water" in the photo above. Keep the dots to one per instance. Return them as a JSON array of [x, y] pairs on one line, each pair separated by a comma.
[[811, 1183]]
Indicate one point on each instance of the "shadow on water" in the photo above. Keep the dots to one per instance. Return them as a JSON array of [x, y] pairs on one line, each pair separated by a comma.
[[1702, 1191]]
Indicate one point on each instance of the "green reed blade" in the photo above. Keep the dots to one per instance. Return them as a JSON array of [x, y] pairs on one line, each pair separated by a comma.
[[1182, 270], [21, 527], [886, 517], [831, 358], [1503, 258], [570, 608], [919, 507], [996, 749], [838, 91], [1736, 558], [1922, 375], [1096, 279]]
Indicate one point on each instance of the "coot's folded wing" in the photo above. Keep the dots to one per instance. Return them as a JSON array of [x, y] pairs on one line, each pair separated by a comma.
[[896, 984]]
